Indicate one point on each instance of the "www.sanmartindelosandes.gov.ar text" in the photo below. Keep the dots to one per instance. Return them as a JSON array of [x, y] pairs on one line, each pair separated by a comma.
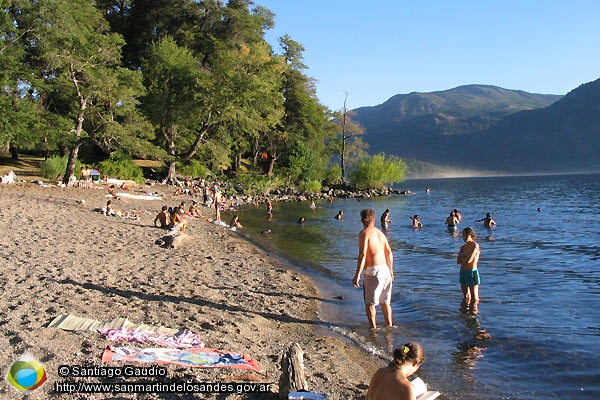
[[159, 387]]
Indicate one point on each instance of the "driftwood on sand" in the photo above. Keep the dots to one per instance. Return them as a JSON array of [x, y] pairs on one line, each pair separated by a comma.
[[172, 241], [293, 378]]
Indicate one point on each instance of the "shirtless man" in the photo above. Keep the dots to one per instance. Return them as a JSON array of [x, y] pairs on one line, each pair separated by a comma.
[[488, 222], [376, 258], [416, 222], [163, 217], [177, 219], [217, 197]]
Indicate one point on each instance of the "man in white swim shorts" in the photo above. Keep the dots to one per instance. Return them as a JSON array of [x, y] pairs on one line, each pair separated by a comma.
[[376, 258]]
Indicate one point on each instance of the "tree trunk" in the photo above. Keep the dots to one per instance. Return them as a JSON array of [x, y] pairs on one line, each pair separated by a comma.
[[14, 154], [171, 174], [272, 158], [237, 161], [72, 160], [255, 152]]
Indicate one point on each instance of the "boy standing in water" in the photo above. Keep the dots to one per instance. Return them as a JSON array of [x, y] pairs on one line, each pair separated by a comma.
[[376, 258], [468, 258]]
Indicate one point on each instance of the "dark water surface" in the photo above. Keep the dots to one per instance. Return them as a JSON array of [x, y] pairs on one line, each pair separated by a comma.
[[537, 328]]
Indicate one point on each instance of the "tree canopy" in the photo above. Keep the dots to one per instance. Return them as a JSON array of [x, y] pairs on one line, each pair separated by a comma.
[[173, 80]]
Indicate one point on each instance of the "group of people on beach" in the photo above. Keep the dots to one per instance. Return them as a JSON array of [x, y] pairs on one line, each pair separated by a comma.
[[175, 218]]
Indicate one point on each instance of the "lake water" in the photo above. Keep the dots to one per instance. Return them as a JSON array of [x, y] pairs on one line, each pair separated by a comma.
[[537, 327]]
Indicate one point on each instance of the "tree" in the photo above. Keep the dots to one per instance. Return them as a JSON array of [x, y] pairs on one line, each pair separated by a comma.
[[350, 129], [375, 172], [76, 60], [19, 117], [171, 79], [305, 119], [235, 93]]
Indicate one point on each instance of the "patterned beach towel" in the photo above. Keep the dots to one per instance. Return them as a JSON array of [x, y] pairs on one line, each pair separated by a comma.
[[179, 340], [194, 357]]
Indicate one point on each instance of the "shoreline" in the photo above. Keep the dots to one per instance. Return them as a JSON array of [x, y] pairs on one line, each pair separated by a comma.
[[62, 257]]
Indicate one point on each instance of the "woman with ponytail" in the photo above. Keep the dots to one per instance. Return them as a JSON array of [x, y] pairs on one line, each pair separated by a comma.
[[392, 382]]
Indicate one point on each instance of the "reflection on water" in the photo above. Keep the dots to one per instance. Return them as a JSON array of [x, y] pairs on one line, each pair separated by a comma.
[[471, 350]]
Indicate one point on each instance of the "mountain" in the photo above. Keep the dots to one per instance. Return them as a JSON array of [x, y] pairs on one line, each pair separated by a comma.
[[489, 128], [563, 137]]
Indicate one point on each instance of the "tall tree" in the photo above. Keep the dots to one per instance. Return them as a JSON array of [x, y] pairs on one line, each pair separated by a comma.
[[18, 106], [234, 94], [78, 60], [350, 129], [171, 102], [305, 118]]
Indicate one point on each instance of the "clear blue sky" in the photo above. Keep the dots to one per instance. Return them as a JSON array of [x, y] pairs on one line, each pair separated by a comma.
[[375, 49]]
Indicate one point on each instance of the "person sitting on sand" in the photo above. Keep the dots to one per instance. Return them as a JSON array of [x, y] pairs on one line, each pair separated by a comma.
[[59, 180], [235, 222], [112, 191], [177, 221], [392, 382], [109, 210], [416, 223], [193, 210], [488, 222], [164, 218]]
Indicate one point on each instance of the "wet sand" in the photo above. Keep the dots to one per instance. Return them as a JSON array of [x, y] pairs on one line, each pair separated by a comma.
[[59, 255]]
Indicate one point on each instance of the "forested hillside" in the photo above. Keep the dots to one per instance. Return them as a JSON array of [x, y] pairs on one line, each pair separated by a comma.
[[406, 125], [488, 128]]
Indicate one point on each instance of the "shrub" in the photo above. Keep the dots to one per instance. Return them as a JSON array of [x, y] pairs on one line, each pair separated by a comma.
[[375, 172], [312, 186], [333, 174], [257, 185], [193, 168], [56, 165], [121, 166]]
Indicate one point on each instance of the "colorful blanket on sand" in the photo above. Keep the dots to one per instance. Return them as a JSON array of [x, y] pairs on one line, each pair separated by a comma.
[[179, 340], [193, 357]]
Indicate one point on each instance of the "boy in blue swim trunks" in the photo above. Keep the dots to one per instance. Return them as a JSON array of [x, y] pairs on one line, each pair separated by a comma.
[[468, 258]]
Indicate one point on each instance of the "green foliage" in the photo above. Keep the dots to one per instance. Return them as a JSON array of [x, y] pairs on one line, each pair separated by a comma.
[[302, 163], [200, 82], [257, 185], [333, 174], [312, 187], [54, 166], [193, 168], [374, 172], [121, 166]]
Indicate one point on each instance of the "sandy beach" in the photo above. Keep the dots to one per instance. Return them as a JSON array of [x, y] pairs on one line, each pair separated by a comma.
[[59, 255]]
